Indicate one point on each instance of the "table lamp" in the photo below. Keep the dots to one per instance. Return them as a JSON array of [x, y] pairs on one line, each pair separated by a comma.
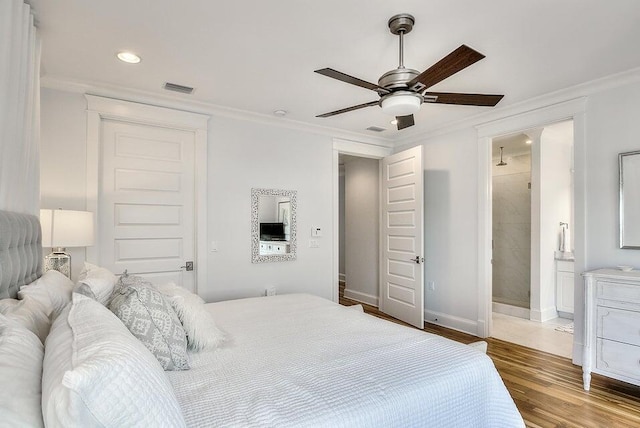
[[62, 229]]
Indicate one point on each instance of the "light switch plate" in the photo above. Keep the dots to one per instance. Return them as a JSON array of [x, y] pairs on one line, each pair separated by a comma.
[[316, 231]]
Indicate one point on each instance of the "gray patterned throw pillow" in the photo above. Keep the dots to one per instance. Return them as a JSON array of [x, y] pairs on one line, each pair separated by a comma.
[[152, 320]]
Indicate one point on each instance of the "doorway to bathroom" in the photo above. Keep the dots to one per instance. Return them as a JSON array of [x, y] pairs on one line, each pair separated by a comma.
[[511, 199], [532, 211]]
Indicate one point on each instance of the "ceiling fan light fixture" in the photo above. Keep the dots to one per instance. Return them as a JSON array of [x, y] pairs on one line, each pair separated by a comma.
[[401, 104]]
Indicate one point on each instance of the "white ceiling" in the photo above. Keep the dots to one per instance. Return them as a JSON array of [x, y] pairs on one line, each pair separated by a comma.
[[259, 56]]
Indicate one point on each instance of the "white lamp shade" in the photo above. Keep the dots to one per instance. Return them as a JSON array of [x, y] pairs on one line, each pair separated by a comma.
[[401, 104], [66, 228]]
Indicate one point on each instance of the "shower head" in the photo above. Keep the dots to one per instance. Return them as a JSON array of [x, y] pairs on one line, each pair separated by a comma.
[[501, 163]]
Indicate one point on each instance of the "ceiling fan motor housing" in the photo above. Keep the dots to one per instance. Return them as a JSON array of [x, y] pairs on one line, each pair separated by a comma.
[[397, 78]]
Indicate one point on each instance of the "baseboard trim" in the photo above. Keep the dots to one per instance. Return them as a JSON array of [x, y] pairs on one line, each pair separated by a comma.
[[456, 323], [361, 297], [544, 314], [514, 311], [481, 329]]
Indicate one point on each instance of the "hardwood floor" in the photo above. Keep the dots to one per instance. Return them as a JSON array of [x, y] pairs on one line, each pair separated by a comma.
[[548, 389]]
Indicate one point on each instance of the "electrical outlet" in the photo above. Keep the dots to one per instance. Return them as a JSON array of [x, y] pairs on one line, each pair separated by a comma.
[[270, 291], [314, 243], [431, 285]]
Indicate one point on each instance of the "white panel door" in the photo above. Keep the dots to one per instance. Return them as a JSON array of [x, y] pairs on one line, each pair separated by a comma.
[[146, 201], [401, 238]]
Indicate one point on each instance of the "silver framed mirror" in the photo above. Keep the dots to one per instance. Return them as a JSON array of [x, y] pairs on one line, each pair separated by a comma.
[[629, 166], [273, 225]]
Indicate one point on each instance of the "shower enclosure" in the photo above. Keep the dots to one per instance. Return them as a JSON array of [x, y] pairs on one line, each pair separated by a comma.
[[511, 190]]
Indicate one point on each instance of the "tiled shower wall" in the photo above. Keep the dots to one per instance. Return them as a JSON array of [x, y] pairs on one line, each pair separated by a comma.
[[512, 231]]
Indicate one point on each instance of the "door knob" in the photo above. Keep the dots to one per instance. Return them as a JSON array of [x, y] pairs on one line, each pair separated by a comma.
[[418, 259], [188, 266]]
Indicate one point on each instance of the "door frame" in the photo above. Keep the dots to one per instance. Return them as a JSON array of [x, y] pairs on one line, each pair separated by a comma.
[[101, 108], [570, 110], [354, 148]]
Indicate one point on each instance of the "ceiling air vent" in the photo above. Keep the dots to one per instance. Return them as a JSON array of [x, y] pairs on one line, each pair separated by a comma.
[[178, 88], [375, 129]]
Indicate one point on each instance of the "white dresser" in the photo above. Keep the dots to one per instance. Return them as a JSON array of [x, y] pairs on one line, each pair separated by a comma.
[[612, 325]]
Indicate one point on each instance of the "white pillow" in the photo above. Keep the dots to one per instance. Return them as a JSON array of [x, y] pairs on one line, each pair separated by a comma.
[[52, 289], [21, 356], [100, 282], [29, 313], [198, 323], [97, 374]]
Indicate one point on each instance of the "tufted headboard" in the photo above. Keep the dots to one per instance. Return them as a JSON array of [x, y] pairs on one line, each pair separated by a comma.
[[20, 252]]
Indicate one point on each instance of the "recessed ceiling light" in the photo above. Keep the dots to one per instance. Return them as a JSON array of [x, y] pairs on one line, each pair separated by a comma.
[[394, 122], [280, 113], [128, 57], [528, 142]]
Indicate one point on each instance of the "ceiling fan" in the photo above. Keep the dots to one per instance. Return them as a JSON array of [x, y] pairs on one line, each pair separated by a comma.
[[403, 90]]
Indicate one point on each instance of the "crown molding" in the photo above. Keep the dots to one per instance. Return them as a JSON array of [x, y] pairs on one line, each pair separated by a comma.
[[572, 93], [498, 113], [193, 106]]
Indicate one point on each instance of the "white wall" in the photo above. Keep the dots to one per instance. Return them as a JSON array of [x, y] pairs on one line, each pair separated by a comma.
[[451, 230], [556, 195], [63, 152], [242, 155], [362, 211], [612, 127]]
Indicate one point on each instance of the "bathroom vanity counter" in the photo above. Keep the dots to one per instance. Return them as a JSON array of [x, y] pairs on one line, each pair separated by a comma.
[[565, 283]]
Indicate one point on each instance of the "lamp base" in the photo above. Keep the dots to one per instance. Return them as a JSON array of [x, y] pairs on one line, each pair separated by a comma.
[[60, 261]]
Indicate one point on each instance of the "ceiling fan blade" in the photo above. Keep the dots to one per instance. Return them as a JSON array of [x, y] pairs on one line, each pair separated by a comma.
[[334, 74], [405, 121], [457, 60], [352, 108], [484, 100]]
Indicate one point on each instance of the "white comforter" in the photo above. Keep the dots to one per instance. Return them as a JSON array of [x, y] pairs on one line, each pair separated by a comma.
[[299, 360]]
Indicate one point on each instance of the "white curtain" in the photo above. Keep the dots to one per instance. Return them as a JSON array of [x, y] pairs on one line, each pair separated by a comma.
[[19, 109]]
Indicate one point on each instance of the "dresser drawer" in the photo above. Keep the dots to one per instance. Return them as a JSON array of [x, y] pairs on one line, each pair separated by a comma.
[[618, 358], [619, 325], [618, 291]]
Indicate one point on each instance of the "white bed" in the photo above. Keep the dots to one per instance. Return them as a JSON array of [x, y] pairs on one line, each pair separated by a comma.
[[299, 360], [68, 360]]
